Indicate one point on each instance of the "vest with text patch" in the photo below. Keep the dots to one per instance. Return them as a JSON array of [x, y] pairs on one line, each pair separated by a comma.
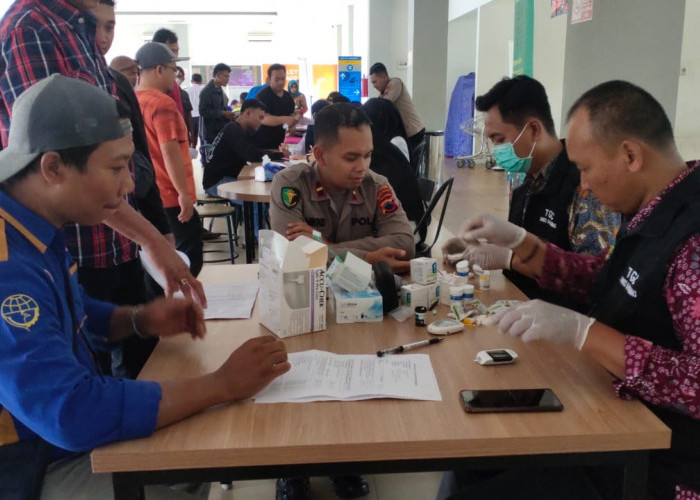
[[546, 215], [629, 295]]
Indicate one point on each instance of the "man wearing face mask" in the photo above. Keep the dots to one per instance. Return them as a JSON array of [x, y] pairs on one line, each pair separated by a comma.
[[550, 203]]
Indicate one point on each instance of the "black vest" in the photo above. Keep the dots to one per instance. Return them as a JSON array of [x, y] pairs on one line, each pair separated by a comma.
[[628, 296], [546, 215]]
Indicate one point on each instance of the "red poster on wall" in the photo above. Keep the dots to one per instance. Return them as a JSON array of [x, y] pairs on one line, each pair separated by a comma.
[[581, 10]]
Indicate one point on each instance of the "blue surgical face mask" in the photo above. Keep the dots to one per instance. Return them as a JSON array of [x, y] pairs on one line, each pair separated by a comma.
[[505, 156]]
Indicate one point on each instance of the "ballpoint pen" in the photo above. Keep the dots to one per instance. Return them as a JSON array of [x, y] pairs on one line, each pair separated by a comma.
[[407, 347]]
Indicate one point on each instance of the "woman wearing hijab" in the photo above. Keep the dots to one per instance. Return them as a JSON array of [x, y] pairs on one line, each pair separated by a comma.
[[299, 98], [389, 160]]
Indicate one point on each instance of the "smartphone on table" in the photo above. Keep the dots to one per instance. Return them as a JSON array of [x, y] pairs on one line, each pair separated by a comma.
[[510, 400]]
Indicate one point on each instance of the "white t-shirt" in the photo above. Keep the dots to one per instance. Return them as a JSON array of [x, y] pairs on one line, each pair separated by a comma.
[[193, 91]]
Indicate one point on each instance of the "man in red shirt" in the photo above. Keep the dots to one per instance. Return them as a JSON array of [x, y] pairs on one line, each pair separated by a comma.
[[168, 144]]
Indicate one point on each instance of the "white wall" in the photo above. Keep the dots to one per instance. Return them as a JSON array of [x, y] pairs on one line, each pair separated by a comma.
[[428, 61], [687, 126], [635, 40], [548, 58], [495, 35], [461, 49]]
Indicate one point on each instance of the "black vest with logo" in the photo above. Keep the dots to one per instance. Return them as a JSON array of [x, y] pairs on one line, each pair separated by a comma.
[[546, 215], [628, 296]]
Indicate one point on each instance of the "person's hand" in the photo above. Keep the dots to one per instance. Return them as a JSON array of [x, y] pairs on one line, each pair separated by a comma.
[[453, 250], [229, 115], [284, 149], [166, 317], [488, 256], [175, 272], [494, 230], [395, 257], [539, 320], [186, 208], [484, 255], [252, 366], [290, 121], [296, 229]]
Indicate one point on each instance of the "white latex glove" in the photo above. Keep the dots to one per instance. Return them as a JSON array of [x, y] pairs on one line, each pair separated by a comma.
[[494, 230], [484, 255], [488, 256], [539, 320]]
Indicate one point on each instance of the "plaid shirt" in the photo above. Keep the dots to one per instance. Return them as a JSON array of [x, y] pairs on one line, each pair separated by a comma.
[[39, 38]]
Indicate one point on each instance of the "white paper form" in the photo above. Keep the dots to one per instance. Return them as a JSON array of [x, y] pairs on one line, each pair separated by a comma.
[[324, 376], [230, 300]]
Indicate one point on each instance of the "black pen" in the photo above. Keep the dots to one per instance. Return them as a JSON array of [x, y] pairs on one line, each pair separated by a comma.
[[408, 347]]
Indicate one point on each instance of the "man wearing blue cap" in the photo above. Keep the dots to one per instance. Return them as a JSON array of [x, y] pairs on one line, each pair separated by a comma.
[[67, 161]]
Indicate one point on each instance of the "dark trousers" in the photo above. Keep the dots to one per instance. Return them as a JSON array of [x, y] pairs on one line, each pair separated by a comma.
[[195, 129], [122, 285], [188, 237], [413, 142]]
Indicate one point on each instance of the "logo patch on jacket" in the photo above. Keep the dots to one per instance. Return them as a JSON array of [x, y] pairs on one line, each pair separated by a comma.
[[20, 311], [386, 201], [629, 281], [290, 197]]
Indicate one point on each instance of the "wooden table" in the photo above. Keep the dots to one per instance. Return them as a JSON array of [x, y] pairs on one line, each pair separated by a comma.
[[250, 441], [249, 191]]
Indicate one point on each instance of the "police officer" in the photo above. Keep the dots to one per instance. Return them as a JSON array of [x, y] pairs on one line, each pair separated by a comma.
[[338, 199]]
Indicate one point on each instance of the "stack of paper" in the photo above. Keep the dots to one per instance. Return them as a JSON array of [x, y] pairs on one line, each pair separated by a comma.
[[324, 376], [230, 300]]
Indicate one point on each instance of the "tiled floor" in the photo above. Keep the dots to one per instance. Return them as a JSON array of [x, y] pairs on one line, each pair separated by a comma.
[[421, 486]]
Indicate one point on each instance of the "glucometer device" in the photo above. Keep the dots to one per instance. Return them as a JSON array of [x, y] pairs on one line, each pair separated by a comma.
[[445, 327], [496, 357]]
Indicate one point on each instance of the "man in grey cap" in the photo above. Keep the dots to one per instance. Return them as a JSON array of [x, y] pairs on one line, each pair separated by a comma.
[[168, 143], [67, 161]]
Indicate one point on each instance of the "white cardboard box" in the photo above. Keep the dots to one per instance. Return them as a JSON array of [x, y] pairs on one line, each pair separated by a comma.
[[355, 307], [292, 297], [414, 295], [424, 270]]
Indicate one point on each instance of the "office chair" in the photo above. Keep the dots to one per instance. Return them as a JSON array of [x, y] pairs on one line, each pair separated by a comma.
[[426, 186], [418, 159]]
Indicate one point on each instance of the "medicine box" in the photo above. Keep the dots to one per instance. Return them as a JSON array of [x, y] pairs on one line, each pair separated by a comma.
[[433, 294], [424, 270], [357, 307], [414, 295], [292, 298]]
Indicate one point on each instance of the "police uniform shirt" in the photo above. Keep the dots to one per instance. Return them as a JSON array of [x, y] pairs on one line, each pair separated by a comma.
[[49, 382], [370, 217]]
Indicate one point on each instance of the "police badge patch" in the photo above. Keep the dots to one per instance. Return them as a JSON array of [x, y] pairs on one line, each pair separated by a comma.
[[290, 197], [385, 200]]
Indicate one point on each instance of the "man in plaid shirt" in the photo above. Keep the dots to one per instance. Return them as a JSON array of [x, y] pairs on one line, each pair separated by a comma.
[[42, 37]]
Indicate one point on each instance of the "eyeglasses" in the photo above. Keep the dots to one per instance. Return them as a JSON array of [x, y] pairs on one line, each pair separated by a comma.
[[172, 68]]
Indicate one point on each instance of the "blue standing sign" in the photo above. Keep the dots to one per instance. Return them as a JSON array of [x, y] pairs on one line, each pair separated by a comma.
[[350, 77]]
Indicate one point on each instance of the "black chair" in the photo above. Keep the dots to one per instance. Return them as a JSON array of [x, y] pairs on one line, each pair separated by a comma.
[[418, 159], [426, 187]]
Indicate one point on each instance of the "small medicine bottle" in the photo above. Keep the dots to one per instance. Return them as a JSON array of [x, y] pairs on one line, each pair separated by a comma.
[[485, 280], [419, 315], [467, 292], [462, 268]]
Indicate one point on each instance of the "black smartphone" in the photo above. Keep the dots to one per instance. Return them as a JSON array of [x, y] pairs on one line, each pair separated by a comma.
[[510, 400]]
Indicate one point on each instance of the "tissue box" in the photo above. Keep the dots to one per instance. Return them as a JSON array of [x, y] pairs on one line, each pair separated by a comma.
[[353, 274], [356, 307], [414, 295], [423, 270], [292, 297]]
